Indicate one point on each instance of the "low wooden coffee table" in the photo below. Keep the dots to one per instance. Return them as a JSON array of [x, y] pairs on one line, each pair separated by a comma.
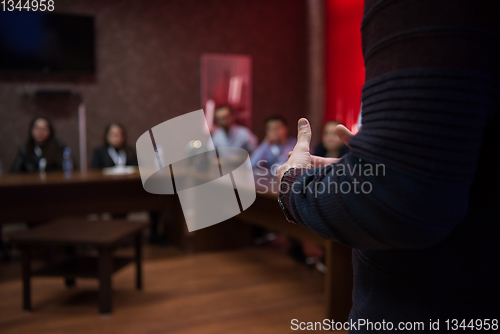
[[104, 235]]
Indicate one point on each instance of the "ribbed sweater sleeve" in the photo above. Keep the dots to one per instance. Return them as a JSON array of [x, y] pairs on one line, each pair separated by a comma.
[[432, 89]]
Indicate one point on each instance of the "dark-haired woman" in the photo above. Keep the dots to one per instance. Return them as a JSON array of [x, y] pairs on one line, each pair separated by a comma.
[[115, 151], [330, 146], [42, 152]]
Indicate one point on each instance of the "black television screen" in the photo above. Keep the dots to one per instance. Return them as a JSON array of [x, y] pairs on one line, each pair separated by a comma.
[[46, 43]]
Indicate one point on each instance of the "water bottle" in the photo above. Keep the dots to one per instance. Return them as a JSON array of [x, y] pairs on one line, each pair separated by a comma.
[[67, 164]]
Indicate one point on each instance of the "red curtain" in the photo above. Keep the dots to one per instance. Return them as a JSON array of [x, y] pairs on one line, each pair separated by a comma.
[[344, 69]]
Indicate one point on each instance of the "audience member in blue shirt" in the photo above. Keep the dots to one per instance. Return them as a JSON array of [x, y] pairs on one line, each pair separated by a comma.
[[273, 151], [230, 134]]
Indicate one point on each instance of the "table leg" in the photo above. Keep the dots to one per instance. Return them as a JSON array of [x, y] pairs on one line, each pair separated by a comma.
[[70, 252], [105, 272], [26, 264], [138, 261], [70, 282], [338, 281]]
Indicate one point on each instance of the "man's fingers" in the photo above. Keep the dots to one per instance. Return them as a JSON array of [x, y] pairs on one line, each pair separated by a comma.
[[303, 133], [344, 134], [321, 162], [290, 153]]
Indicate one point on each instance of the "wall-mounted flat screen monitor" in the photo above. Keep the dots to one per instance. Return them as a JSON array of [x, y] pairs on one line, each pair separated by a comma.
[[44, 42]]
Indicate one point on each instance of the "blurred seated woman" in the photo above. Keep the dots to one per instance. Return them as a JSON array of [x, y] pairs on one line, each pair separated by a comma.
[[42, 151], [330, 146], [115, 151]]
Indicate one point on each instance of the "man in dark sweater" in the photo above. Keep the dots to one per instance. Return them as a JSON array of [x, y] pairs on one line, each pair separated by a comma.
[[425, 229]]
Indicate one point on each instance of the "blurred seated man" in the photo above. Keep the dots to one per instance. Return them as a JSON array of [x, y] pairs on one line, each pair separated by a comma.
[[230, 134], [115, 151], [273, 151], [330, 146], [42, 151]]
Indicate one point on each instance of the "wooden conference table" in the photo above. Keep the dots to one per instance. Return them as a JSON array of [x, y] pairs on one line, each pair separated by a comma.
[[36, 197]]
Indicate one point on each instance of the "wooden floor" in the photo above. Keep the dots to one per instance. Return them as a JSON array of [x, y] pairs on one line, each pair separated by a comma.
[[255, 290]]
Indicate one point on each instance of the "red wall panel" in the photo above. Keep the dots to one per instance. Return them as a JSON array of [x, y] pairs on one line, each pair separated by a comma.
[[344, 77]]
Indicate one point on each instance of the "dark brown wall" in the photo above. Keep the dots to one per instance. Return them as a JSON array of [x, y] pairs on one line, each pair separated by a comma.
[[148, 65]]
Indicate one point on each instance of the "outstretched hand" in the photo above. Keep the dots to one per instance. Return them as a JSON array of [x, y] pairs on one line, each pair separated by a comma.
[[301, 157]]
